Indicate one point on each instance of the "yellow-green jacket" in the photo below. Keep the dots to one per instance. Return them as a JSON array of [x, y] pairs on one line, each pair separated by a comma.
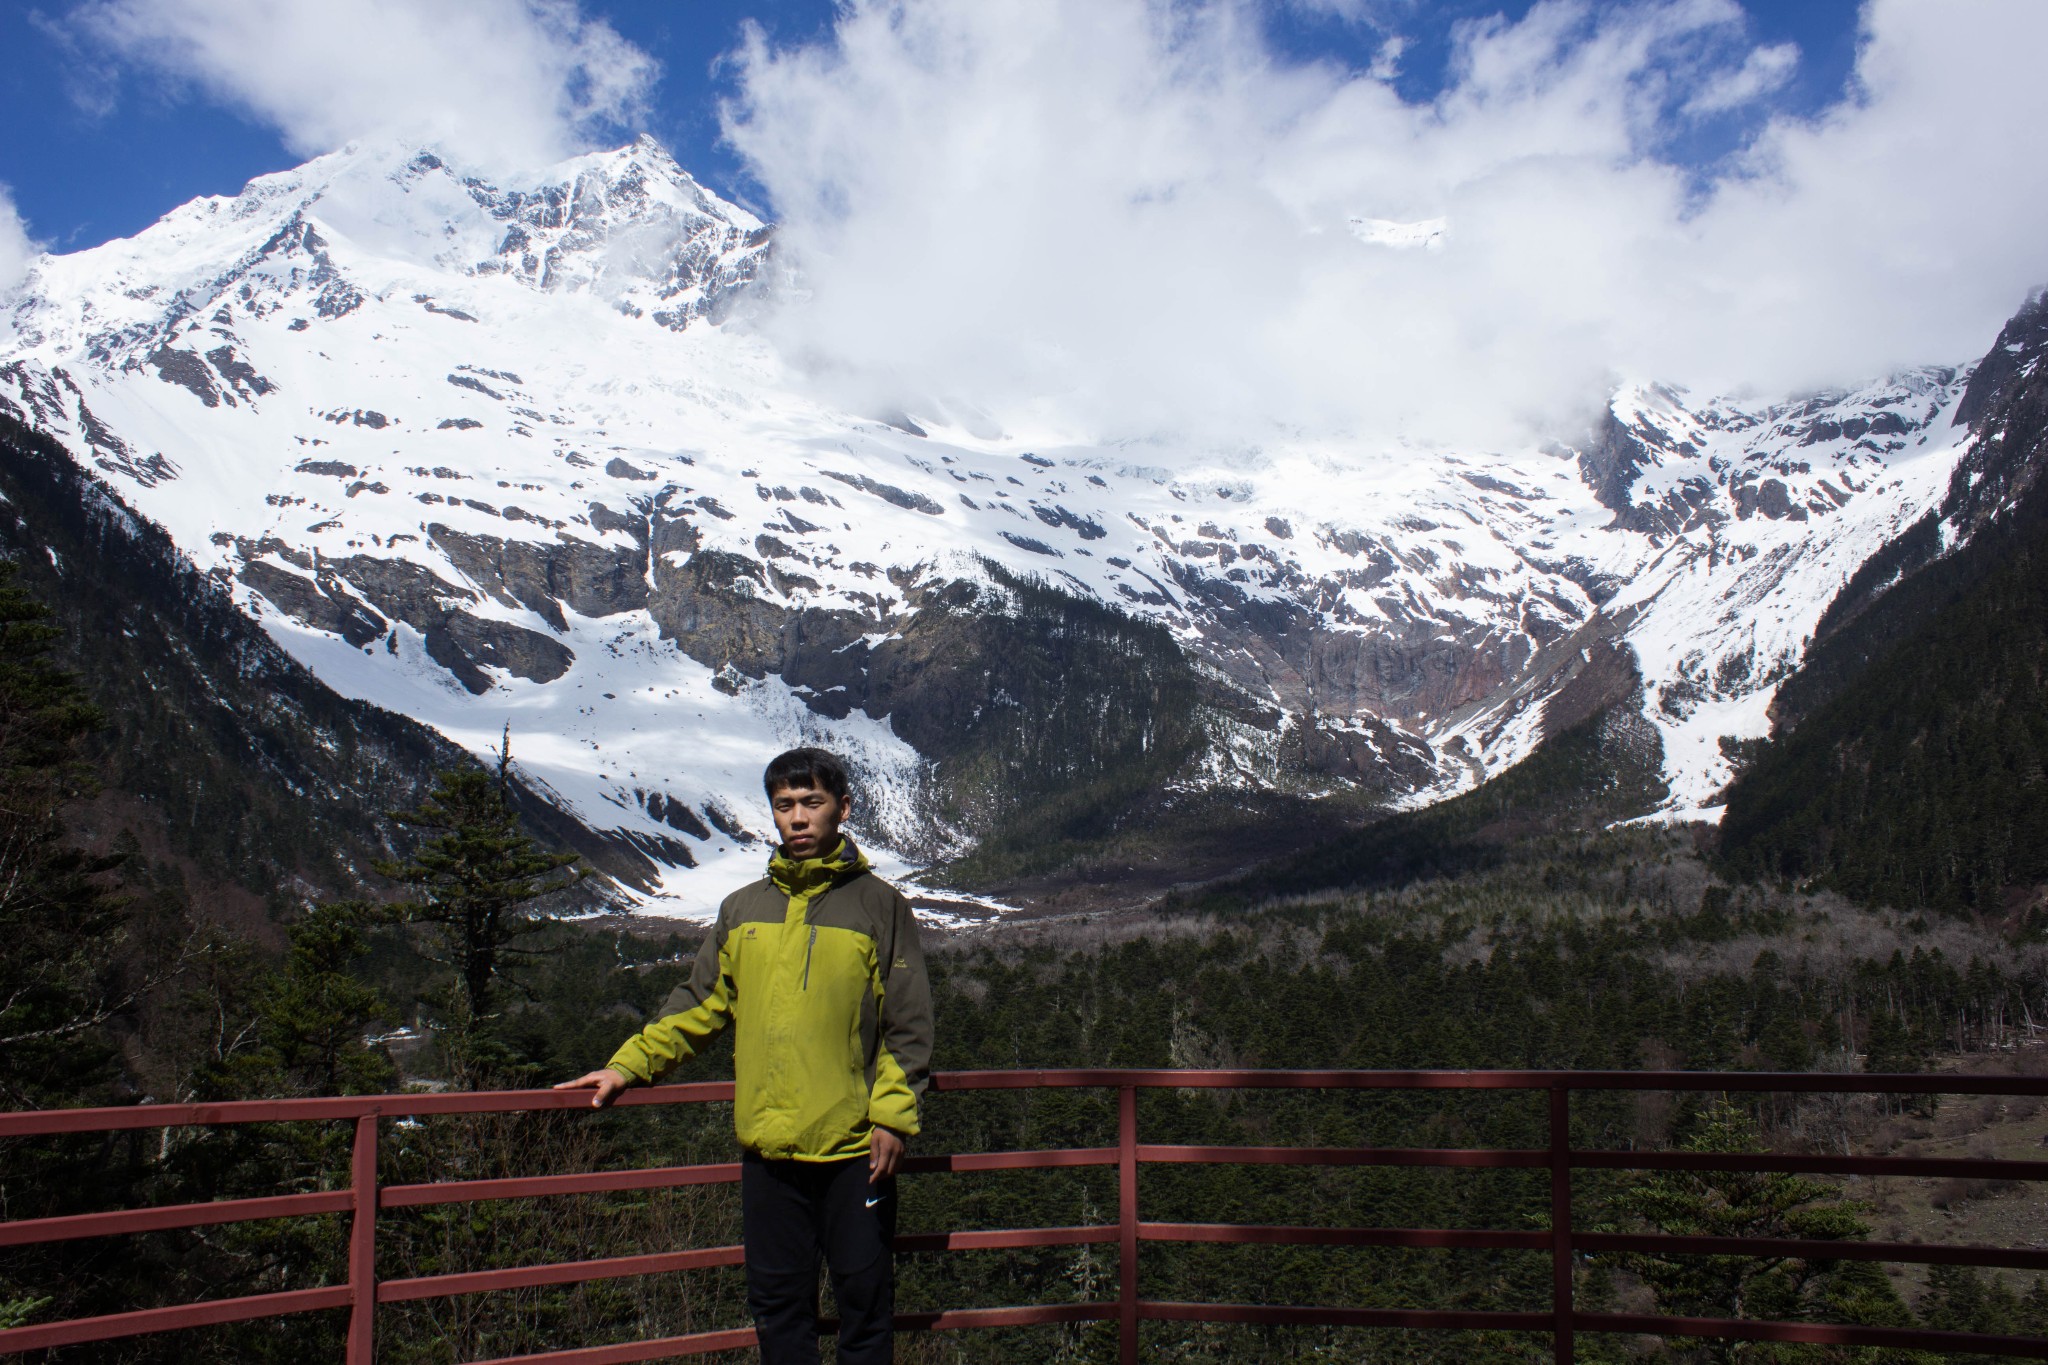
[[818, 967]]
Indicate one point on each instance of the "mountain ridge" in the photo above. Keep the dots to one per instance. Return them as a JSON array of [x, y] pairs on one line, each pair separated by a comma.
[[1905, 763], [482, 454]]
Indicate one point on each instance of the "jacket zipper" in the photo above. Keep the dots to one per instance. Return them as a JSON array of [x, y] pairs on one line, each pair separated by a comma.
[[810, 909]]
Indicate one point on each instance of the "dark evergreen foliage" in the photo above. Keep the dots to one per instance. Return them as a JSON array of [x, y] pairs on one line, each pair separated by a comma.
[[1093, 711], [1919, 781], [1962, 1299], [308, 1018], [486, 888], [1750, 1204], [60, 976], [216, 745], [81, 951]]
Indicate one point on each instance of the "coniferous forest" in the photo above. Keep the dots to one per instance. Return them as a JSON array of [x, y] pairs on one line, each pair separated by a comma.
[[1872, 903]]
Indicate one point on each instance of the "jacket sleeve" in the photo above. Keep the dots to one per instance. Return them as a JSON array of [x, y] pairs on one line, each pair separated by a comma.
[[904, 1009], [693, 1012]]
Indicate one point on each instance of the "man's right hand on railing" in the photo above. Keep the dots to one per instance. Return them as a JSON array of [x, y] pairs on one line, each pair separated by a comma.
[[608, 1083]]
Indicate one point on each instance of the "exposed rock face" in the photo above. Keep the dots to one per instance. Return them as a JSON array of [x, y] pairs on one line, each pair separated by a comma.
[[358, 598], [543, 577], [718, 607], [602, 230], [1616, 459], [2006, 406], [305, 600], [188, 371], [2011, 361], [464, 645]]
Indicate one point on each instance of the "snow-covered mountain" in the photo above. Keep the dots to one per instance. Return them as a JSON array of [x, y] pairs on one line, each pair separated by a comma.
[[488, 455]]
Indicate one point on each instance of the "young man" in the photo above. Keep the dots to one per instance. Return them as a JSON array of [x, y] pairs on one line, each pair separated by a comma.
[[818, 966]]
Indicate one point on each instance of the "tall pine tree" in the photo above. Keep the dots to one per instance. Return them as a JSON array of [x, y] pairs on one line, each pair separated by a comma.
[[484, 886], [300, 1028], [1752, 1204], [62, 975]]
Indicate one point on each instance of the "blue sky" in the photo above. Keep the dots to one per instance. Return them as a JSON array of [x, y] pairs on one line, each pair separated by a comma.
[[99, 147]]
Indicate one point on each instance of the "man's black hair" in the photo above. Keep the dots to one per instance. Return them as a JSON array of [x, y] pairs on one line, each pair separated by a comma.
[[814, 768]]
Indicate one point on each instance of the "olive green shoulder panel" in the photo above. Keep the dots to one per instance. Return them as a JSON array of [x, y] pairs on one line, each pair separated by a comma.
[[865, 905], [755, 903]]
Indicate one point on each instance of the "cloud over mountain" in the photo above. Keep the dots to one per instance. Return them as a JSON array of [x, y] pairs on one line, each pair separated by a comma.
[[16, 247], [1123, 216], [510, 83]]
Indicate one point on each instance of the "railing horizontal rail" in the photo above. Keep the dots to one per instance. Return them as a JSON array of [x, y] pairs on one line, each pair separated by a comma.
[[1968, 1168], [534, 1187], [48, 1121], [1807, 1249], [1304, 1315], [1268, 1235], [42, 1122], [1490, 1158], [564, 1272], [27, 1231], [206, 1313], [672, 1177], [665, 1177], [1831, 1082], [1013, 1161], [1007, 1239], [1815, 1333]]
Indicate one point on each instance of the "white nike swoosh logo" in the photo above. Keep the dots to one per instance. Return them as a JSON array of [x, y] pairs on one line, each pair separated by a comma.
[[874, 1200]]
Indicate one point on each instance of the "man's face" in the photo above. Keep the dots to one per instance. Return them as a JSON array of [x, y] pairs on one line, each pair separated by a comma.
[[808, 819]]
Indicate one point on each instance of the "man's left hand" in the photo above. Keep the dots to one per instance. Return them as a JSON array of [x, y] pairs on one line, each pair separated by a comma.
[[885, 1150]]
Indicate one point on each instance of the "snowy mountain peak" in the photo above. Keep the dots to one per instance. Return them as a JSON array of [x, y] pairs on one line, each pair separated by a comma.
[[1650, 464], [481, 452], [629, 227]]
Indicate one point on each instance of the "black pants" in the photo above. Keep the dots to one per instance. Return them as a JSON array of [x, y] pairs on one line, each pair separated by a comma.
[[793, 1210]]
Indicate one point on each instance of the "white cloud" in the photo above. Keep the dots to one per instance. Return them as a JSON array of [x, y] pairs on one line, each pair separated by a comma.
[[508, 83], [1386, 63], [17, 248], [1126, 216], [1371, 13], [1763, 72]]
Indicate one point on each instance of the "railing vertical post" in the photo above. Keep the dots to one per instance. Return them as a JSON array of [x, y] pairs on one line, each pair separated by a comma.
[[1562, 1345], [1127, 1224], [362, 1246]]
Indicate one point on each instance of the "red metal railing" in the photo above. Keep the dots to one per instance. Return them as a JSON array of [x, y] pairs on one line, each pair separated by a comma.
[[1562, 1322]]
